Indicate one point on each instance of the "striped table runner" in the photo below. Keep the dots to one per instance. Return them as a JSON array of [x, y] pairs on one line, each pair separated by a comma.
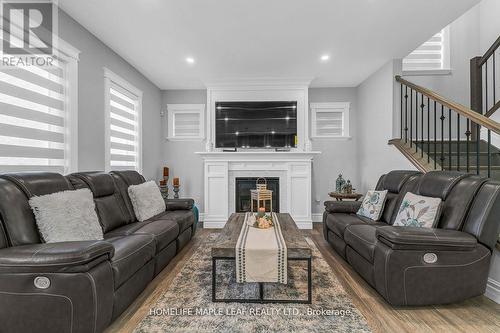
[[261, 254]]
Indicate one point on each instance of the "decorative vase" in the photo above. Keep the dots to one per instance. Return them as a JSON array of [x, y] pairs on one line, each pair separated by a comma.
[[348, 187], [176, 191], [339, 184]]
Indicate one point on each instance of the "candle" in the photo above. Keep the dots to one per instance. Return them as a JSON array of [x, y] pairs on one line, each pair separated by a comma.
[[176, 181], [165, 172], [163, 182], [261, 212]]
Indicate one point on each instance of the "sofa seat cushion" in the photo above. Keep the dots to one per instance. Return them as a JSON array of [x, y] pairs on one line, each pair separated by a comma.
[[339, 222], [131, 254], [125, 230], [163, 231], [362, 238], [184, 218]]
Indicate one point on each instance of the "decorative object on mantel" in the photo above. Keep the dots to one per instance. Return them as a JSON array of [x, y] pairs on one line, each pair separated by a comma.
[[176, 184], [339, 184], [261, 193], [164, 183], [341, 196]]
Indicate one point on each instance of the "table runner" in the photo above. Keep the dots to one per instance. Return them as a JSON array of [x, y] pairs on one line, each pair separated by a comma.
[[261, 254]]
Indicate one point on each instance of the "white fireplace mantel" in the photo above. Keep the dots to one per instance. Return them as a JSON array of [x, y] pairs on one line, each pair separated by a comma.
[[293, 169]]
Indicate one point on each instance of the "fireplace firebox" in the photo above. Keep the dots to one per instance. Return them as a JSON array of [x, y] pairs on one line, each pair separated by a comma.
[[243, 187]]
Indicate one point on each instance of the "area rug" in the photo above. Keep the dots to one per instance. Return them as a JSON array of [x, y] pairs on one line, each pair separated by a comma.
[[186, 306]]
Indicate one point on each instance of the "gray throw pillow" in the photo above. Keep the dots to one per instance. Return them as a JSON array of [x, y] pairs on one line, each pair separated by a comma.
[[147, 200], [66, 216]]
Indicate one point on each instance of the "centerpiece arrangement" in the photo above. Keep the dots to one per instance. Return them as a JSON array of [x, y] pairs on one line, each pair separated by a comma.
[[261, 219]]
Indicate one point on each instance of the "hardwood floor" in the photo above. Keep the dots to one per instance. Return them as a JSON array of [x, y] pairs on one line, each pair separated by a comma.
[[475, 315]]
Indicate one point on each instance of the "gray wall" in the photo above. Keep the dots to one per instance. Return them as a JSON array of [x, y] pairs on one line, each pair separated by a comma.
[[93, 57]]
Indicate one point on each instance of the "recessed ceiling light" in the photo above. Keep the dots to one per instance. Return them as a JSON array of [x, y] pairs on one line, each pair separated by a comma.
[[273, 132], [226, 119], [325, 57], [190, 60], [237, 133]]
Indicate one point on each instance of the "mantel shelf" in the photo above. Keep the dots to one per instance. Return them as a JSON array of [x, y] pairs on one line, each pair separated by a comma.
[[253, 155]]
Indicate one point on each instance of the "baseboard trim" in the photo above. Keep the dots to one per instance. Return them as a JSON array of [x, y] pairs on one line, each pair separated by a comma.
[[493, 290], [317, 217]]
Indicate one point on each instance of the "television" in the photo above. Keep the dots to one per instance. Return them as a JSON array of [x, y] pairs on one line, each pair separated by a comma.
[[247, 125]]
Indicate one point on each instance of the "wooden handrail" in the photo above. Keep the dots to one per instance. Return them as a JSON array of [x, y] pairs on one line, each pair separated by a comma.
[[457, 107], [490, 52]]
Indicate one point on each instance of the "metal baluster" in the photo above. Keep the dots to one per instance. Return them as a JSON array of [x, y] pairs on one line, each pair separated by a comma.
[[458, 142], [489, 153], [406, 114], [428, 131], [435, 136], [442, 136], [494, 81], [486, 84], [416, 121], [401, 114], [467, 134], [478, 147], [422, 127], [411, 117], [449, 139]]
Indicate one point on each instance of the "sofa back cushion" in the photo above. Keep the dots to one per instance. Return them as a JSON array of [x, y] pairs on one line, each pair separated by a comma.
[[109, 203], [18, 221], [394, 182], [123, 180], [456, 189]]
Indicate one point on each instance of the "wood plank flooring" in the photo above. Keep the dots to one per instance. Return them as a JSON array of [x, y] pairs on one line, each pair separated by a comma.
[[475, 315]]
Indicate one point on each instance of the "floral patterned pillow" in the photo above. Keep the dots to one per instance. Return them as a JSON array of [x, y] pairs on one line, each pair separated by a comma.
[[418, 211], [373, 205]]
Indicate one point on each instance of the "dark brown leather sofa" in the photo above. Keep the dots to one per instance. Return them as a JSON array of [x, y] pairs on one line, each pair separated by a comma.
[[86, 284], [422, 266]]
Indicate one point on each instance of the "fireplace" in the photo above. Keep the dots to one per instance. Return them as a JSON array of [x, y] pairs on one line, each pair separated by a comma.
[[242, 195]]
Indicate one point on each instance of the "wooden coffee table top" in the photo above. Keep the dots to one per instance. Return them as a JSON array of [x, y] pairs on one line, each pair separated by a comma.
[[297, 247]]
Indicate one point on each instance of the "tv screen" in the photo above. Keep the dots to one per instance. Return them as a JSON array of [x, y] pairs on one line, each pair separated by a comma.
[[256, 124]]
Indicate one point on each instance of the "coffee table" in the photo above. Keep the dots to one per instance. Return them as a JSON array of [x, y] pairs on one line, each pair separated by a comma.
[[297, 249]]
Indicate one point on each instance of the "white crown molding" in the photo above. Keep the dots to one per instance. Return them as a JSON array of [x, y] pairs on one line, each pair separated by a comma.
[[268, 82]]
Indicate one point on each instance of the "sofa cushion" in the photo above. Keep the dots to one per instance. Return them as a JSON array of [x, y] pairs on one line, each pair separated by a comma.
[[123, 179], [131, 254], [438, 184], [163, 231], [362, 238], [184, 218], [125, 230], [339, 222], [395, 180], [146, 200], [66, 216]]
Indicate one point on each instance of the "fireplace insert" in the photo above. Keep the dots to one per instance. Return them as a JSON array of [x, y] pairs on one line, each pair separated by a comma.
[[243, 187]]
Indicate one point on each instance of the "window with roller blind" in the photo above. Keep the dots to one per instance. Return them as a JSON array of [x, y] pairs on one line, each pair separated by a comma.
[[186, 122], [330, 120], [123, 124], [39, 116], [433, 56]]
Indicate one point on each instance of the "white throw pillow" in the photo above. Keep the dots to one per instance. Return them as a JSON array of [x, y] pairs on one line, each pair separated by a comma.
[[147, 200], [418, 211], [66, 216], [373, 205]]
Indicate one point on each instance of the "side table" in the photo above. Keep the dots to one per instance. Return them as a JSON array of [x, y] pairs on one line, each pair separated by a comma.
[[342, 196]]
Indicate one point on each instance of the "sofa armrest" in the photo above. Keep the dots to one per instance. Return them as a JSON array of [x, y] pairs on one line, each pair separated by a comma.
[[347, 207], [179, 204], [413, 238], [68, 257]]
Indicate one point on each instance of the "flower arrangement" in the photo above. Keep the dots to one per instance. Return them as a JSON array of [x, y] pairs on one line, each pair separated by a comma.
[[262, 220]]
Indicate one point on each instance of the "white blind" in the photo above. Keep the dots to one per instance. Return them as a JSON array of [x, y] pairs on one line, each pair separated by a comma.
[[187, 124], [329, 123], [34, 129], [428, 56], [124, 130]]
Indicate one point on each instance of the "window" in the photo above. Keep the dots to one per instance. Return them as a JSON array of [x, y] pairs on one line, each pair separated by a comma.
[[432, 56], [329, 120], [123, 104], [39, 116], [186, 121]]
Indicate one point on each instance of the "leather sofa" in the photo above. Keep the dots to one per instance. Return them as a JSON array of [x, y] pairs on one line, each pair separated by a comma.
[[81, 286], [422, 266]]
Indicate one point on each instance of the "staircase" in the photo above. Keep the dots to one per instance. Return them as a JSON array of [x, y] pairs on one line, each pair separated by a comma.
[[439, 134]]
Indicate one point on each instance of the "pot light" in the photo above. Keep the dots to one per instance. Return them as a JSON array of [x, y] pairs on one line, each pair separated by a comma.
[[325, 57], [190, 60]]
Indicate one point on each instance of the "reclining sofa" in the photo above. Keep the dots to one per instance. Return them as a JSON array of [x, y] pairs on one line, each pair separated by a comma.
[[421, 266], [81, 286]]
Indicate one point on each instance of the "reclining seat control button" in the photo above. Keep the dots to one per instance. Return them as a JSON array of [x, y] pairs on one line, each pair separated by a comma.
[[430, 258], [42, 282]]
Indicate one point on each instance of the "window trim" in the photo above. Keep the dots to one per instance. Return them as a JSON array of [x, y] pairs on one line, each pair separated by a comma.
[[173, 109], [345, 106], [109, 78]]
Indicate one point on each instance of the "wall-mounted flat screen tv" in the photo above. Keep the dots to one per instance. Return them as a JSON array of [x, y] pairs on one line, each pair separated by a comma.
[[256, 124]]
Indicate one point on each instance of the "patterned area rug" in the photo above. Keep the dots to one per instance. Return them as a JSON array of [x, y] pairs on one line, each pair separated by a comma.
[[187, 307]]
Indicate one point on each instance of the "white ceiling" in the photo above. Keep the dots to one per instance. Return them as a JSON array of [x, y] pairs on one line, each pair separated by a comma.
[[262, 38]]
